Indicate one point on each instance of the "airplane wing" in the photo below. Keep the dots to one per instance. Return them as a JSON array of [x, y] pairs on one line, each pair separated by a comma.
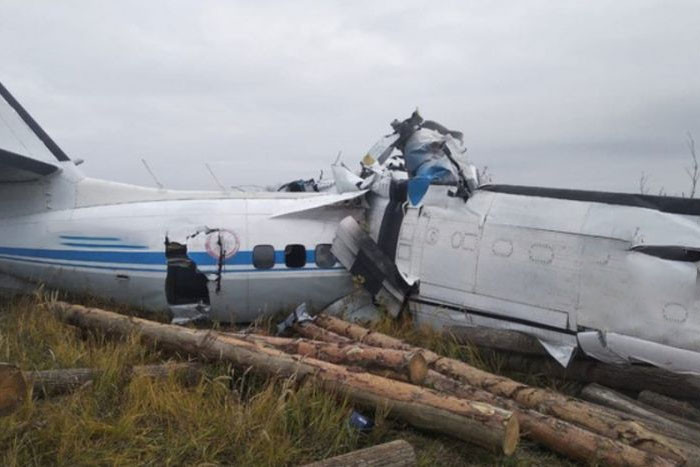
[[322, 200], [26, 151]]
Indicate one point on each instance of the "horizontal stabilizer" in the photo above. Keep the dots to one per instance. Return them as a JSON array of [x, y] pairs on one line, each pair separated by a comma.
[[17, 168], [26, 151]]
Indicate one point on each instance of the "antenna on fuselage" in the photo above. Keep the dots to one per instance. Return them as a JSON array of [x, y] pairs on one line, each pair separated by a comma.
[[216, 180], [155, 179]]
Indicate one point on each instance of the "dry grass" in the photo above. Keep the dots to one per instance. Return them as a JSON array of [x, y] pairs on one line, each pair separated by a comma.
[[244, 419]]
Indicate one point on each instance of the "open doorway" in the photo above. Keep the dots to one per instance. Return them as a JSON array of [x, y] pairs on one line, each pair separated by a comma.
[[185, 286]]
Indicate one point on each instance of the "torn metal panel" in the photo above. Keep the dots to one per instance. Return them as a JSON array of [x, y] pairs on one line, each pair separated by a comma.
[[355, 307], [189, 313], [446, 317], [617, 348], [560, 351], [299, 315], [362, 257], [432, 155]]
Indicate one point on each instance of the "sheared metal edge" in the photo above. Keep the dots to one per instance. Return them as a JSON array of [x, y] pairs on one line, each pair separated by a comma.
[[560, 351], [617, 349]]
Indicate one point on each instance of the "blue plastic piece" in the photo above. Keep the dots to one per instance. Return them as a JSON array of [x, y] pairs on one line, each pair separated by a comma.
[[360, 422]]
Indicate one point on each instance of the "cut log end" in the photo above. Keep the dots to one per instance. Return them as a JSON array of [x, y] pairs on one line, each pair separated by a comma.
[[512, 435], [417, 368], [13, 388]]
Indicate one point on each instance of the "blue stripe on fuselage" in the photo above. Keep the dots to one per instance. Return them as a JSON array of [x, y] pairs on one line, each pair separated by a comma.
[[138, 258], [123, 257], [97, 239], [162, 270], [105, 246]]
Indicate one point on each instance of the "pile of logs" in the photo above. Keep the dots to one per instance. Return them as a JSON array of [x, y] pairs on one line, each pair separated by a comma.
[[428, 390]]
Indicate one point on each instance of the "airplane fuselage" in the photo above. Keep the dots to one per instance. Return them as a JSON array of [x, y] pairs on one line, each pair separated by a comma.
[[228, 253], [569, 267]]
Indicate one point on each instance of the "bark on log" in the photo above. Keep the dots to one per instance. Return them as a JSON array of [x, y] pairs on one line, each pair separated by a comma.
[[498, 339], [609, 398], [632, 378], [669, 405], [589, 416], [55, 382], [13, 388], [349, 353], [397, 453], [482, 424], [311, 331]]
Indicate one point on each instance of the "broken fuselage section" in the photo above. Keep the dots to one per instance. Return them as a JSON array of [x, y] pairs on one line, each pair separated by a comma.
[[615, 275]]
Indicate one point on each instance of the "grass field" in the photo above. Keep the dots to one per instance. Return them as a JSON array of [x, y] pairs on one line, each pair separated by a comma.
[[231, 416]]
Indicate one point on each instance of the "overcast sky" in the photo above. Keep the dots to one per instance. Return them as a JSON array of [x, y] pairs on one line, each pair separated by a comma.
[[570, 94]]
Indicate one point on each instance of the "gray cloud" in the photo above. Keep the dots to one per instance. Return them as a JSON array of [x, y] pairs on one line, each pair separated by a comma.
[[584, 94]]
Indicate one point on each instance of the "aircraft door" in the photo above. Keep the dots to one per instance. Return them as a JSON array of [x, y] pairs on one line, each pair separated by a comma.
[[207, 273]]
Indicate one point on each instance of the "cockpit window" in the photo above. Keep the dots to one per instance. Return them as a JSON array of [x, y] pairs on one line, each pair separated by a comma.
[[295, 256]]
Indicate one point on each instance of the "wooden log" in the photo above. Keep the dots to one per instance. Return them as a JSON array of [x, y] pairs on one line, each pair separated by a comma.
[[55, 382], [487, 426], [565, 438], [397, 453], [349, 353], [503, 340], [311, 331], [633, 378], [13, 388], [609, 398], [669, 405], [588, 416], [557, 435]]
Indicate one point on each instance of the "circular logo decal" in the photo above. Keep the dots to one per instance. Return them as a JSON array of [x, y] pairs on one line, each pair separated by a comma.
[[222, 243]]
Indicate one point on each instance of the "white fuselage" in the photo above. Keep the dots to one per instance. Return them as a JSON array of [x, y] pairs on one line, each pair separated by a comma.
[[557, 268], [109, 240]]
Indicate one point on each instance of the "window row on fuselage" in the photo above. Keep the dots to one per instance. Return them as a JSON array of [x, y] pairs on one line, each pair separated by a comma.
[[295, 256]]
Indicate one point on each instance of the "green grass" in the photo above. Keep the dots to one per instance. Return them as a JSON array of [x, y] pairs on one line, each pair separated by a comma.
[[237, 417]]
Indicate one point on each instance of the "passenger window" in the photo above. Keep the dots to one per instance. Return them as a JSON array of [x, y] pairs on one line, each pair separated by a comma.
[[295, 256], [263, 256], [324, 257]]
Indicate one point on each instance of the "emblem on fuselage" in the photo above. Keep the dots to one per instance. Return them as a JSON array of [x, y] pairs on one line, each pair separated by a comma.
[[222, 243]]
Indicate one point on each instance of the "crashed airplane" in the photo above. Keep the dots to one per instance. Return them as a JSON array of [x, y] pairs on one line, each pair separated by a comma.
[[614, 275]]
